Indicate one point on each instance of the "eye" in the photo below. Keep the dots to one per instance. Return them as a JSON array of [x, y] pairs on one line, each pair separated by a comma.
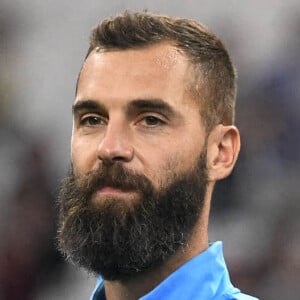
[[91, 120], [152, 121]]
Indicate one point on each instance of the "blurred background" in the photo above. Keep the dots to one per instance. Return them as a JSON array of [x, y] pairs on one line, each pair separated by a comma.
[[255, 211]]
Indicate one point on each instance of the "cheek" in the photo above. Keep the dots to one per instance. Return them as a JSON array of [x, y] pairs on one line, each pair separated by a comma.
[[83, 156], [164, 166]]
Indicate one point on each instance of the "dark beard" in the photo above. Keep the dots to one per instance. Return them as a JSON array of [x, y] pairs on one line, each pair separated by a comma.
[[119, 240]]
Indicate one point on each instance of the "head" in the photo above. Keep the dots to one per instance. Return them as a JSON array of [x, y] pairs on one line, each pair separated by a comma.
[[153, 131], [213, 80]]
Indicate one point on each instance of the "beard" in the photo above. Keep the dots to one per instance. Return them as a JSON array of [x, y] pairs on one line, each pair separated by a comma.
[[119, 239]]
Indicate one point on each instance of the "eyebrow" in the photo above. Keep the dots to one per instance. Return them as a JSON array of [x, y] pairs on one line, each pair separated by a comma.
[[151, 105], [87, 105]]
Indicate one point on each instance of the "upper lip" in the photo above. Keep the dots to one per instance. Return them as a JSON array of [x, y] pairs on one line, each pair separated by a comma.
[[112, 189]]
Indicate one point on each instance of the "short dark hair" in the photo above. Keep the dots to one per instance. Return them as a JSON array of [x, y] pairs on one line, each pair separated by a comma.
[[214, 77]]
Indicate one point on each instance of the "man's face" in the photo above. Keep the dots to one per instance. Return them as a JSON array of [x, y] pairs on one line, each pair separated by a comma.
[[138, 162], [132, 106]]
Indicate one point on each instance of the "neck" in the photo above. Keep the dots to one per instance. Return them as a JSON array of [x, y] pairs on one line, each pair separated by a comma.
[[142, 284]]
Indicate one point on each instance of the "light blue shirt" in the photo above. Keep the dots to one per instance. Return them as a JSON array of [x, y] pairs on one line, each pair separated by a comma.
[[204, 277]]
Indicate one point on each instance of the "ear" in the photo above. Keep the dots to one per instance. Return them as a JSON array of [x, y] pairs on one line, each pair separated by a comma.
[[223, 146]]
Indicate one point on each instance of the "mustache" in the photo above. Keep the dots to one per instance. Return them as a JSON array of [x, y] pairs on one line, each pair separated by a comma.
[[116, 176]]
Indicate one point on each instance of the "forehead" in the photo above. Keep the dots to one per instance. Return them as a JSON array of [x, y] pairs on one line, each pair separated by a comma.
[[162, 56], [160, 71]]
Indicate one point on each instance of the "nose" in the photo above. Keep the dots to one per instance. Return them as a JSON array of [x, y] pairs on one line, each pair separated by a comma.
[[115, 145]]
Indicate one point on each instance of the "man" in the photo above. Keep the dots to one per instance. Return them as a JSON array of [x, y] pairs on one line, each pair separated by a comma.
[[153, 131]]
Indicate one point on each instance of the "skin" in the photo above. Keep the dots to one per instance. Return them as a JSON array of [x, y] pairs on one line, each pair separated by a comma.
[[133, 107]]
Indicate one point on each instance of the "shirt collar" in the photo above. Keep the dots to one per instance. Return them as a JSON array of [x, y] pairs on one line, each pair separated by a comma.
[[203, 277]]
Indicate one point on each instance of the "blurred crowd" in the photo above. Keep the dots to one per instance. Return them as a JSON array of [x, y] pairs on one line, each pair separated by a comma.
[[255, 211]]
